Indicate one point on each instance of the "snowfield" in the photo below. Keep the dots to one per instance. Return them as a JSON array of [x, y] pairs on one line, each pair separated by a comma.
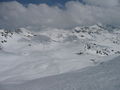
[[57, 59], [105, 76]]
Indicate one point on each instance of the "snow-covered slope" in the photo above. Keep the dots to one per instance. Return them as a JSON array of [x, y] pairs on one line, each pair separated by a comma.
[[27, 55], [105, 76], [97, 39]]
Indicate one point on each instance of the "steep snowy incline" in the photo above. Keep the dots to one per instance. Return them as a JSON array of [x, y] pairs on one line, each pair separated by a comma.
[[105, 76]]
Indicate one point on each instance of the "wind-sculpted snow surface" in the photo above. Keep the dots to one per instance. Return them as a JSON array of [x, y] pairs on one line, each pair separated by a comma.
[[105, 76], [26, 55]]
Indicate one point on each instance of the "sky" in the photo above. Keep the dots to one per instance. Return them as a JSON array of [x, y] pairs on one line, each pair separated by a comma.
[[48, 13], [49, 2]]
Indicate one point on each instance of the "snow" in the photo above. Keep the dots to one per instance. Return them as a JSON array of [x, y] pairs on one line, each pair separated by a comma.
[[105, 76], [27, 55], [31, 65]]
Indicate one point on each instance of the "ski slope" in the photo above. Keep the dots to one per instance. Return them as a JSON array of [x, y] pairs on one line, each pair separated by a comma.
[[105, 76]]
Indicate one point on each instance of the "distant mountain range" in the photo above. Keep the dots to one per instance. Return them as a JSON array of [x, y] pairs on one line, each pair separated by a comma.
[[97, 39]]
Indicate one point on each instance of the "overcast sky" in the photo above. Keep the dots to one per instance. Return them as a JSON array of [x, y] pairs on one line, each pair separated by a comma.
[[15, 14]]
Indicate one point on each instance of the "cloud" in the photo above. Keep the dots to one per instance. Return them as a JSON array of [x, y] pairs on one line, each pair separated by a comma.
[[105, 3], [15, 15]]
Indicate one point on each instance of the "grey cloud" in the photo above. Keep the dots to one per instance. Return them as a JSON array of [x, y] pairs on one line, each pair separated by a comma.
[[15, 15], [106, 3]]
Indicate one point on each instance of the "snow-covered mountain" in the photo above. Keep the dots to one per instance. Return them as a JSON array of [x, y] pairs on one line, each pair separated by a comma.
[[30, 55], [97, 39]]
